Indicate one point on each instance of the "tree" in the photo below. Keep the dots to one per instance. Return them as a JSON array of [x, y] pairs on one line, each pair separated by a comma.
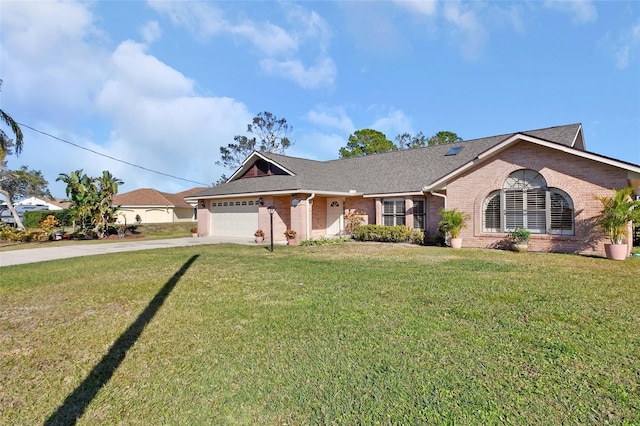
[[5, 142], [6, 145], [222, 179], [366, 142], [91, 199], [443, 138], [408, 141], [23, 183], [271, 133]]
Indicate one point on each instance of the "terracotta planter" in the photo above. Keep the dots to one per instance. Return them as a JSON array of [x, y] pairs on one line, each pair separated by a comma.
[[456, 243], [291, 242], [616, 251], [259, 240], [194, 234]]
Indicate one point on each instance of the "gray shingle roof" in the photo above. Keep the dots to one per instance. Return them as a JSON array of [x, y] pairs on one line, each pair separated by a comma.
[[403, 171]]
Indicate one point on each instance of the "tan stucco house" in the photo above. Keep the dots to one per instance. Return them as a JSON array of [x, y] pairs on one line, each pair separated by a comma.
[[155, 207], [543, 180]]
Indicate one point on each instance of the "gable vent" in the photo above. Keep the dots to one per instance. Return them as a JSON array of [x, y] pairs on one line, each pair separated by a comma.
[[454, 150]]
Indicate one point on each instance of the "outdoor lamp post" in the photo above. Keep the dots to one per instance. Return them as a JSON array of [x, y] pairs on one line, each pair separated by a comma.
[[271, 210]]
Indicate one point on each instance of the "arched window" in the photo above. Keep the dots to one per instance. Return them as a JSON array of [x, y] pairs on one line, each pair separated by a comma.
[[526, 202]]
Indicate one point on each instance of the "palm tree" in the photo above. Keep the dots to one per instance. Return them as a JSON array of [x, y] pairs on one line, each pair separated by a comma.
[[5, 142], [5, 148]]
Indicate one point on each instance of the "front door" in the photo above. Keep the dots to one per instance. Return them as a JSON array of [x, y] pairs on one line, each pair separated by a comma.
[[334, 216]]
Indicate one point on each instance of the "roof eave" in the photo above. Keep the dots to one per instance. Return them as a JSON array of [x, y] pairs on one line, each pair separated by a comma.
[[442, 182]]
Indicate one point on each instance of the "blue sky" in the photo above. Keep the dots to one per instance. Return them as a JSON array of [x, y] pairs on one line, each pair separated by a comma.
[[163, 85]]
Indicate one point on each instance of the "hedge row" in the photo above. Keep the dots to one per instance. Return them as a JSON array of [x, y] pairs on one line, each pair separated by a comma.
[[32, 219], [388, 234]]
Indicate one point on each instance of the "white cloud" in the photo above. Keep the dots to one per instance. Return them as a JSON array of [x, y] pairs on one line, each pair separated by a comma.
[[311, 28], [468, 29], [320, 146], [269, 39], [202, 19], [336, 118], [581, 11], [150, 32], [422, 7], [628, 46], [145, 73], [161, 123], [322, 74], [60, 78], [392, 124], [53, 65], [283, 52]]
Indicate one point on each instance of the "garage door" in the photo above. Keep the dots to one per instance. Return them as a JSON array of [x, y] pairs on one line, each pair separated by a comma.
[[234, 218]]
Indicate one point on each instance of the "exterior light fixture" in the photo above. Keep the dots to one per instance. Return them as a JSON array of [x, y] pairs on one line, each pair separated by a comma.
[[271, 210], [261, 201], [202, 203]]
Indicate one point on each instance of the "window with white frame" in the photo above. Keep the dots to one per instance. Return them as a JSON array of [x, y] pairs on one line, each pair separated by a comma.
[[393, 212], [526, 202], [419, 213]]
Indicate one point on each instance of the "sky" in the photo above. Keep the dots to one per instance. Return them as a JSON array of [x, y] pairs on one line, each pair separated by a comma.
[[158, 87]]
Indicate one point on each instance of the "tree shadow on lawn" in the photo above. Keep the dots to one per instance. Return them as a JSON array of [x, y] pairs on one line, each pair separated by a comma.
[[77, 402]]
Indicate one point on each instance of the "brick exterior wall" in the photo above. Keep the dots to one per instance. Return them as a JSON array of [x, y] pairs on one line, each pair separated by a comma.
[[281, 218], [581, 179]]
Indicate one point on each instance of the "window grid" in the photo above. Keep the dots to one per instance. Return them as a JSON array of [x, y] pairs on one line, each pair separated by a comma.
[[393, 212], [419, 213], [526, 202]]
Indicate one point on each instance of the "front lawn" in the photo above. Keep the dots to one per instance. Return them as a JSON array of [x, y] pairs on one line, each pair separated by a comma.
[[358, 333]]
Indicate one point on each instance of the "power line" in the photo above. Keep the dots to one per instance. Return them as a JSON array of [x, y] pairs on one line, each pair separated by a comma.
[[110, 157]]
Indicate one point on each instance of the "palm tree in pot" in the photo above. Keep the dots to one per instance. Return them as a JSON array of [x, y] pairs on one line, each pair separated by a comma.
[[451, 222], [616, 214]]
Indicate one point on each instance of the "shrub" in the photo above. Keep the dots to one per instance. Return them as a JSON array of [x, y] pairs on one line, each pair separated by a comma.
[[352, 219], [9, 233], [32, 219], [323, 241], [388, 234], [48, 223]]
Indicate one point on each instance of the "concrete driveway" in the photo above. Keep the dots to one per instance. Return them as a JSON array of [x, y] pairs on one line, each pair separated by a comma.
[[19, 257]]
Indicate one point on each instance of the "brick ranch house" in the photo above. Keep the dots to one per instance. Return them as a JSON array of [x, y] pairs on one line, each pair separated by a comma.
[[543, 180]]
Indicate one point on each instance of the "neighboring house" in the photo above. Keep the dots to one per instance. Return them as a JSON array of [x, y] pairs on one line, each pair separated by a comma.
[[543, 180], [31, 204], [49, 203], [153, 206]]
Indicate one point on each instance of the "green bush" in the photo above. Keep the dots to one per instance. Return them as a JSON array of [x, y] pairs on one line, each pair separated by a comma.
[[388, 234], [32, 219], [323, 241]]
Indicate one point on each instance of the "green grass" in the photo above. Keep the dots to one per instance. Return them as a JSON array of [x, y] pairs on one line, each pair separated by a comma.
[[359, 333]]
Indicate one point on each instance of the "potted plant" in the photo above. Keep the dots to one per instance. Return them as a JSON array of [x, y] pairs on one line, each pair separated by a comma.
[[520, 239], [194, 231], [290, 234], [616, 214], [451, 222], [259, 234]]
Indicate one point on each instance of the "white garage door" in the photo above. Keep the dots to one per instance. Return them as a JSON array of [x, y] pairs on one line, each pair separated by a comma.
[[234, 218]]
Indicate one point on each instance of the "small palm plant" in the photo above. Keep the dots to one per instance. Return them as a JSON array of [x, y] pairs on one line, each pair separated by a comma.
[[617, 211], [452, 221]]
